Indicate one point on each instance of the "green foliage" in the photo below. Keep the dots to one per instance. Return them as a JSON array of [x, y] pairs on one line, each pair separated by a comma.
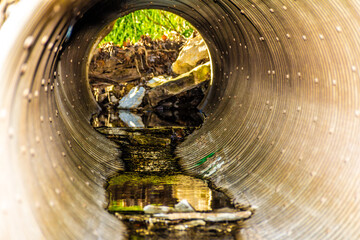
[[118, 208], [155, 23]]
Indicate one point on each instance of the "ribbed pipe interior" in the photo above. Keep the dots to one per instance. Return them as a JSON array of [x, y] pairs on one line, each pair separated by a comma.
[[283, 117]]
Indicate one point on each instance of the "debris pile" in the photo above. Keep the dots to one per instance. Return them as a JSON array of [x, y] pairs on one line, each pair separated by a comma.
[[134, 62], [151, 75]]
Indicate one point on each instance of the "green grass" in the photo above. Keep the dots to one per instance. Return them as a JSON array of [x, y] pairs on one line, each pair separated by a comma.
[[115, 208], [155, 23]]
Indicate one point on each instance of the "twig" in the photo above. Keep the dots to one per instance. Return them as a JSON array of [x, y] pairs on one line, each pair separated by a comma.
[[173, 26], [133, 18]]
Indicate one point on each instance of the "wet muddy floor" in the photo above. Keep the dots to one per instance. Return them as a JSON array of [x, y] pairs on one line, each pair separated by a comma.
[[154, 197]]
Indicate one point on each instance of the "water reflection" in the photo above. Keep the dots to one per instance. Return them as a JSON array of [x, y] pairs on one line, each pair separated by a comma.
[[148, 150], [133, 191], [153, 177], [159, 117]]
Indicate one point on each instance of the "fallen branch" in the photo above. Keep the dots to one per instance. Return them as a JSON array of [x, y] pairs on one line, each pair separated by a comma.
[[209, 217]]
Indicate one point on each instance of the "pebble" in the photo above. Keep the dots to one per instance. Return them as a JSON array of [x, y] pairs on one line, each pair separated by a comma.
[[114, 99]]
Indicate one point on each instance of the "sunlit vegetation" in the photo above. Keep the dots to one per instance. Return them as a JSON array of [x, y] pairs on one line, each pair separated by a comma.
[[158, 24]]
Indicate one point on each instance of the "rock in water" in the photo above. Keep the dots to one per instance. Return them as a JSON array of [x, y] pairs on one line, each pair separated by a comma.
[[151, 209], [194, 51], [131, 119], [133, 99], [184, 206], [208, 217]]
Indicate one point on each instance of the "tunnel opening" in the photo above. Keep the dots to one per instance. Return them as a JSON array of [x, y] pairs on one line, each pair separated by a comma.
[[162, 77], [149, 87]]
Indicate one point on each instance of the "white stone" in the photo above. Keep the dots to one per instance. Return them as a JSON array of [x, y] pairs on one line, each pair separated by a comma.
[[133, 99]]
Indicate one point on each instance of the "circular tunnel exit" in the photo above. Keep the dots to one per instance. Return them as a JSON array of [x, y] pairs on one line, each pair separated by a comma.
[[281, 132]]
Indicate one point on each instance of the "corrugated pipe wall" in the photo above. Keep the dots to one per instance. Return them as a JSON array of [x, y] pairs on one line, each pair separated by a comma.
[[283, 117]]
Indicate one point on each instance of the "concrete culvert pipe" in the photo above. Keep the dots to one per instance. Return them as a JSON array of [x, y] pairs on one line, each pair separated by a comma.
[[283, 117]]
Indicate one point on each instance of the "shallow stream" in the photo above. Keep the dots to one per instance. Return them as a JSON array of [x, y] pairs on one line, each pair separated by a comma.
[[146, 196]]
